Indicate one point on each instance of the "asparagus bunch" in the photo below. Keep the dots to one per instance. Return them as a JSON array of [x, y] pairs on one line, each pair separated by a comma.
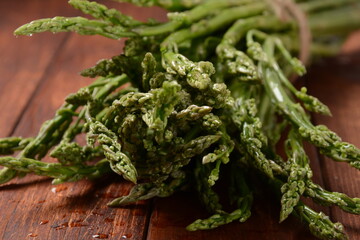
[[206, 89]]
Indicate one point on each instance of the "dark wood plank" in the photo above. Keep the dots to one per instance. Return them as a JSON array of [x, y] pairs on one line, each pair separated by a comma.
[[24, 60], [35, 208], [337, 83], [68, 211]]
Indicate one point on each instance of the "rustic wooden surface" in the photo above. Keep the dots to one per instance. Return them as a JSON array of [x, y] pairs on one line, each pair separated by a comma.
[[37, 72]]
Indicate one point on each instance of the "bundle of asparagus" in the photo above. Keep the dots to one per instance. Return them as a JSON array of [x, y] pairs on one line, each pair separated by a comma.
[[206, 89]]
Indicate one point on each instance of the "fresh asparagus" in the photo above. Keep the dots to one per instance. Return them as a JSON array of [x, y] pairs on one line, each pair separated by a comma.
[[204, 90]]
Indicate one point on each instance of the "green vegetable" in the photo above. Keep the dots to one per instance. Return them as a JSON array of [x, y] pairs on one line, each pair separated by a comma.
[[204, 90]]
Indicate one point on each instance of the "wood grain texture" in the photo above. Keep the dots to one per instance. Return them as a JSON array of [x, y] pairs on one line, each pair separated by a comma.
[[341, 76], [43, 69], [24, 61]]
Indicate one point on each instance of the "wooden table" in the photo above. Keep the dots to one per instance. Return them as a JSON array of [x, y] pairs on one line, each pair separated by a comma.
[[37, 72]]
